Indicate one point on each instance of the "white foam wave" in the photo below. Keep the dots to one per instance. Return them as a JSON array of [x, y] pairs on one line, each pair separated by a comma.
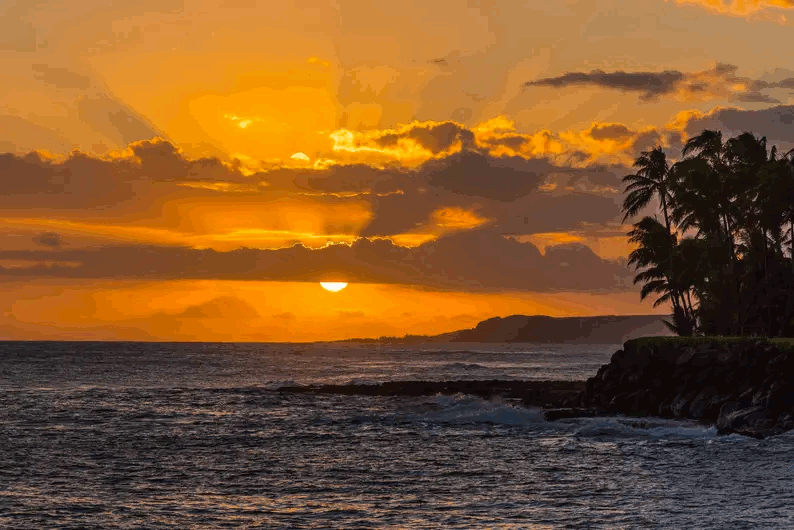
[[622, 427], [461, 366], [464, 409]]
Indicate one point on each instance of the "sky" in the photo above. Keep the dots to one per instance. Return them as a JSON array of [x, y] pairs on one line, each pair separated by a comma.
[[192, 170]]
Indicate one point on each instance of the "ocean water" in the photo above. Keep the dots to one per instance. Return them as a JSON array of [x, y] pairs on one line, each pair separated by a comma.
[[120, 435]]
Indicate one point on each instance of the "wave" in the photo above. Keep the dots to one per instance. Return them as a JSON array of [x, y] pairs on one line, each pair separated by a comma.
[[466, 409], [460, 366], [621, 427]]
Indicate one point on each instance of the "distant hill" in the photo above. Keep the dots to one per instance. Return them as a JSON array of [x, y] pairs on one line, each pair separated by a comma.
[[601, 329], [522, 328]]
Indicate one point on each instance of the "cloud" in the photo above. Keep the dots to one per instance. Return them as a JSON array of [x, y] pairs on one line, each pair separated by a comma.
[[434, 137], [81, 180], [410, 144], [475, 174], [223, 307], [650, 85], [776, 123], [610, 131], [48, 239], [720, 82], [420, 143], [476, 260], [491, 183], [744, 8], [546, 212]]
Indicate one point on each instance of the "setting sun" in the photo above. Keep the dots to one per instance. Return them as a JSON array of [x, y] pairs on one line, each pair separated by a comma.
[[334, 287]]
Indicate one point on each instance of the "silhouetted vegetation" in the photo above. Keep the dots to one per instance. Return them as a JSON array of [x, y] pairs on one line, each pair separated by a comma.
[[722, 254]]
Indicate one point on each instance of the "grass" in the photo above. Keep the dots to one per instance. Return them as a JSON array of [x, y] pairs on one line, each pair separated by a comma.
[[781, 343]]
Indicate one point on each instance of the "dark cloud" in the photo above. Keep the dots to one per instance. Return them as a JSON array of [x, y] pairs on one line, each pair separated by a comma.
[[476, 260], [78, 182], [85, 181], [570, 261], [435, 138], [726, 69], [776, 123], [611, 131], [554, 213], [497, 187], [501, 191], [720, 81], [650, 84], [756, 97], [61, 77], [501, 178], [48, 239], [399, 213], [646, 141], [492, 185], [352, 178]]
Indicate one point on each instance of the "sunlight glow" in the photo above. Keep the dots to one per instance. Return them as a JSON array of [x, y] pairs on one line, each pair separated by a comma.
[[334, 287]]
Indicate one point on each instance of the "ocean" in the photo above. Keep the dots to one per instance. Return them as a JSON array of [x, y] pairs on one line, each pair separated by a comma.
[[192, 435]]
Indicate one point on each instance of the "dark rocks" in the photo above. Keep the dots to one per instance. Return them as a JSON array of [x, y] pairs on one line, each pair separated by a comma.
[[532, 393], [752, 421], [742, 386]]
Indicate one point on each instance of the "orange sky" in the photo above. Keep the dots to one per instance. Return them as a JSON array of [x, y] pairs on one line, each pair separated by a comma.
[[192, 169]]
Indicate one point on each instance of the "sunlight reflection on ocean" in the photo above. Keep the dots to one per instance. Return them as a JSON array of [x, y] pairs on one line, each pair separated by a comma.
[[121, 435]]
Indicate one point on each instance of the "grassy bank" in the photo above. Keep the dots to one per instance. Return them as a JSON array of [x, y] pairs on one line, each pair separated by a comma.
[[782, 344]]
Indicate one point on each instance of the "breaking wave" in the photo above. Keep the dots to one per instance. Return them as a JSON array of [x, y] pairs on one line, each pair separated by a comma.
[[465, 409], [622, 427]]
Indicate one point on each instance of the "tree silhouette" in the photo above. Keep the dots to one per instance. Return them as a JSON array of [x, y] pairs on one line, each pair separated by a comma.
[[724, 257]]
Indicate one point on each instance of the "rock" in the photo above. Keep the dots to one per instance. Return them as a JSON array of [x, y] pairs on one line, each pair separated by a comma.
[[745, 386], [752, 421], [707, 404]]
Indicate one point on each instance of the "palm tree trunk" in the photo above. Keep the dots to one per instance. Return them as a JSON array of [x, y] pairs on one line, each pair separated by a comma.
[[791, 224], [676, 297], [768, 331], [691, 307]]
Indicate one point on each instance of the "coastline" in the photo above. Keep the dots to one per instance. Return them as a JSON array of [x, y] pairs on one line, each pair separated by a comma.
[[739, 385]]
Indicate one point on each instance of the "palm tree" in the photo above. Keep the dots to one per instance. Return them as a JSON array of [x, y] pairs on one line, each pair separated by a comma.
[[652, 179], [704, 179], [724, 254], [652, 260]]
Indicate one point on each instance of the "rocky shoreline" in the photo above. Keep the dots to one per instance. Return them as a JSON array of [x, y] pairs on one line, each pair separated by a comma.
[[742, 386]]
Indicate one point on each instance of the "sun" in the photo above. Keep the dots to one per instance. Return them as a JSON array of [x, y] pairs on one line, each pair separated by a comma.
[[334, 287]]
